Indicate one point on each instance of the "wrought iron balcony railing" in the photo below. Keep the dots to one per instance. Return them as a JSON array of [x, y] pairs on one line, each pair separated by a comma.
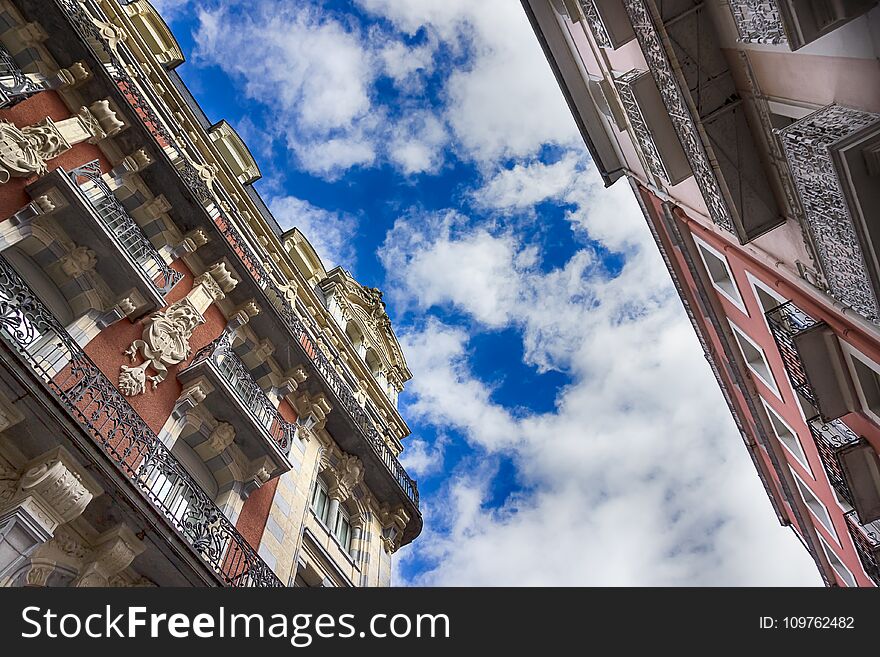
[[44, 346], [829, 220], [640, 126], [676, 103], [15, 85], [235, 373], [866, 539], [123, 229], [786, 322], [831, 438], [118, 62], [758, 21]]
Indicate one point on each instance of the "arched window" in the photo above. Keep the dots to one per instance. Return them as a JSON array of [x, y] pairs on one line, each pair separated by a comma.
[[321, 501], [356, 338]]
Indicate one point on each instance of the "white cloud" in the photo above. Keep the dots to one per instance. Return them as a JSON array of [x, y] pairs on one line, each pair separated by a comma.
[[639, 476], [330, 233], [417, 142], [313, 72], [506, 102], [422, 458]]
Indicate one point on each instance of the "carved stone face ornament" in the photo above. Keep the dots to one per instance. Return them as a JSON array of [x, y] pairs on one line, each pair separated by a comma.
[[165, 342]]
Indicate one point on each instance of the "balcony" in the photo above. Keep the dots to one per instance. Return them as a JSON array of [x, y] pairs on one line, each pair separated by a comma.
[[260, 431], [793, 22], [834, 159], [93, 217], [812, 358], [652, 127], [118, 73], [811, 355], [16, 85], [608, 22], [39, 342], [681, 47], [866, 539], [852, 466]]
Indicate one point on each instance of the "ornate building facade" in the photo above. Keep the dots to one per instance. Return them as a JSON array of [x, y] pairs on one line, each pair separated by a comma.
[[749, 131], [187, 396]]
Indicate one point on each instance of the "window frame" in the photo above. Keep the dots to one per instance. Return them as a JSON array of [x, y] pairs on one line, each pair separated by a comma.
[[851, 355], [756, 283], [831, 555], [772, 384], [802, 460], [801, 485], [702, 249], [323, 514]]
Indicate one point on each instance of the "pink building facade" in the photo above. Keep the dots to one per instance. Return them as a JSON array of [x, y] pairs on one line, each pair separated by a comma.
[[750, 132]]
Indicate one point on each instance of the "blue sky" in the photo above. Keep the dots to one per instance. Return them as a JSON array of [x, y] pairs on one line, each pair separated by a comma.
[[566, 429]]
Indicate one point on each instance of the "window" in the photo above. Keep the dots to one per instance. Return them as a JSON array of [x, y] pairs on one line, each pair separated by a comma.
[[814, 504], [321, 501], [755, 359], [787, 437], [767, 298], [839, 567], [720, 274], [869, 384], [342, 531]]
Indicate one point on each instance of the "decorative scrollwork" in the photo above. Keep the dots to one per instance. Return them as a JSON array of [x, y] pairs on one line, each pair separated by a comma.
[[41, 342], [679, 112], [225, 217], [15, 86], [826, 212]]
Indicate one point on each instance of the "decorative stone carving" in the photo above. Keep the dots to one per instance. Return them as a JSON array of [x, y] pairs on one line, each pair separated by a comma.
[[191, 397], [190, 243], [221, 437], [218, 280], [54, 489], [37, 575], [78, 261], [72, 76], [394, 523], [132, 164], [314, 406], [348, 473], [165, 342], [25, 151], [114, 551]]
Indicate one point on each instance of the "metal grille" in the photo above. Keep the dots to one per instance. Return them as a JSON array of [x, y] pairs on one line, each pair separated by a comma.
[[122, 228], [15, 86], [758, 21], [866, 541], [830, 438], [597, 25], [42, 343], [231, 368], [221, 208], [826, 212], [639, 125], [679, 112], [786, 321]]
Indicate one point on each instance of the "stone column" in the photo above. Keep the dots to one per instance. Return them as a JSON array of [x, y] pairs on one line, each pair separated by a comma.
[[53, 490], [357, 531], [335, 499]]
